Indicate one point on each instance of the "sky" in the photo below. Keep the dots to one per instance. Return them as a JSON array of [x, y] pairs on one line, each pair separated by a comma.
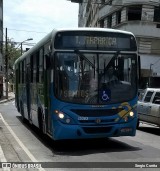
[[26, 19]]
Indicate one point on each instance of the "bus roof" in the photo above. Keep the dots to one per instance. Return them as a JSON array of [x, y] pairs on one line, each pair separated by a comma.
[[92, 29]]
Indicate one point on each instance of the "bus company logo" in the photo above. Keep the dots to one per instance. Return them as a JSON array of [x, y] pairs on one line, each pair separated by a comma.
[[98, 120]]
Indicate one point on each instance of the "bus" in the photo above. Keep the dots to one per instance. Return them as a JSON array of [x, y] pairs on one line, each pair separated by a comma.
[[80, 83]]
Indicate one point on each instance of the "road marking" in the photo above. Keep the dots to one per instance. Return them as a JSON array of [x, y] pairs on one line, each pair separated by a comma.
[[29, 154], [3, 159]]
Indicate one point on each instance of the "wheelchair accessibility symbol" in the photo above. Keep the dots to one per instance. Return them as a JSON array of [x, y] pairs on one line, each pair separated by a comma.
[[105, 95]]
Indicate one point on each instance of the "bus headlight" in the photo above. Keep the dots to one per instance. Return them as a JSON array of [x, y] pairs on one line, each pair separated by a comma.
[[61, 115], [64, 117], [128, 116], [131, 114]]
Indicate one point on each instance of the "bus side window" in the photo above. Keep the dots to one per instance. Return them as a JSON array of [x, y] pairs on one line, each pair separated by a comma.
[[24, 70], [40, 68], [37, 67], [31, 64], [19, 76], [34, 67], [22, 74]]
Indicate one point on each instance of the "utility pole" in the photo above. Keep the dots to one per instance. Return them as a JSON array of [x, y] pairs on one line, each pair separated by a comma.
[[6, 65]]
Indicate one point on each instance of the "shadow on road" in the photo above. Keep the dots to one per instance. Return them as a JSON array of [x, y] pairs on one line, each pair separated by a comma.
[[152, 130], [80, 147]]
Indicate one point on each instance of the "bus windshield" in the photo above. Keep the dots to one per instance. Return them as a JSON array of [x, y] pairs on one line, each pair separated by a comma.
[[95, 78]]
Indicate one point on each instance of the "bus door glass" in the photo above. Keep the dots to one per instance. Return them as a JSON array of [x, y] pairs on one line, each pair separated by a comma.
[[47, 85]]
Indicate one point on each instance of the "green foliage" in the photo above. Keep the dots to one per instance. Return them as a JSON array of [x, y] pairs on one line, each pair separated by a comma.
[[12, 53]]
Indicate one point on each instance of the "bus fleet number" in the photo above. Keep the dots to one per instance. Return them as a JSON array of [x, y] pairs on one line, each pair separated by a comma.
[[82, 118]]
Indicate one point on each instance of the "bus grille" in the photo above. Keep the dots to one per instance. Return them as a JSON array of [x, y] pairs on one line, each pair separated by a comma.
[[95, 130], [93, 121], [96, 113]]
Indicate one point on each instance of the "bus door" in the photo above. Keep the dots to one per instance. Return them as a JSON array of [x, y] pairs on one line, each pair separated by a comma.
[[48, 102], [28, 80], [16, 89], [47, 93]]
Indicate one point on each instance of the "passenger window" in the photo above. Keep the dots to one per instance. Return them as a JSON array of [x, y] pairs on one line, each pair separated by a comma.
[[156, 98], [148, 96]]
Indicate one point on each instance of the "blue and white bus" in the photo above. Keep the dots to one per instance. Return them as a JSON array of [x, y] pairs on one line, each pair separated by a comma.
[[80, 83]]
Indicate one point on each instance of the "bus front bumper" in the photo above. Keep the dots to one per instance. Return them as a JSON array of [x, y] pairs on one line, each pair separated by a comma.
[[64, 131]]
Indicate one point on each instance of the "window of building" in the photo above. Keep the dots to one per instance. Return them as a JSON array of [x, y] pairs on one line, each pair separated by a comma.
[[134, 12], [109, 21], [109, 2], [101, 23], [158, 26], [157, 14], [118, 17], [102, 2]]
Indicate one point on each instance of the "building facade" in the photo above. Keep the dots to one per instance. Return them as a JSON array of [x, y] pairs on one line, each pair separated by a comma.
[[141, 17], [1, 48]]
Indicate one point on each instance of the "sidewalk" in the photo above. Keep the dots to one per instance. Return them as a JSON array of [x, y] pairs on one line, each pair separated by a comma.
[[11, 96]]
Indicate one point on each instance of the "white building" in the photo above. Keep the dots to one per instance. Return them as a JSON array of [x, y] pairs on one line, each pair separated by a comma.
[[141, 17], [1, 47]]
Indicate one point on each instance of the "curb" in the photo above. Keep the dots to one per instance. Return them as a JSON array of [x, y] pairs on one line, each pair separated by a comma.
[[6, 100]]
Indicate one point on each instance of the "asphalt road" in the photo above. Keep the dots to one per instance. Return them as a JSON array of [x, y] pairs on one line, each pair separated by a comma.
[[21, 142]]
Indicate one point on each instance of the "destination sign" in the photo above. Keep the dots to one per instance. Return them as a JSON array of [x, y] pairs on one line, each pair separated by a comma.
[[101, 41], [104, 41]]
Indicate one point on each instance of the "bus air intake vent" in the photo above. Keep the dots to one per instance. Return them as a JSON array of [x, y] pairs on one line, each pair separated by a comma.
[[96, 113], [95, 130]]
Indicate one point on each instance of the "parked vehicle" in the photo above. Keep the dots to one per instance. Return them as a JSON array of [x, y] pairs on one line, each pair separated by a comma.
[[149, 106]]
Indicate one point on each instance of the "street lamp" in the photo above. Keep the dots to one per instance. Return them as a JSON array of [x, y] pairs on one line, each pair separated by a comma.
[[25, 41]]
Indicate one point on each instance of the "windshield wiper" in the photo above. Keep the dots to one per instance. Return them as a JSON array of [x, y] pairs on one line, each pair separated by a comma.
[[82, 57]]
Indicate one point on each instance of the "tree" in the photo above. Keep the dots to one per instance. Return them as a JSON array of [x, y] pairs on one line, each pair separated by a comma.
[[13, 53]]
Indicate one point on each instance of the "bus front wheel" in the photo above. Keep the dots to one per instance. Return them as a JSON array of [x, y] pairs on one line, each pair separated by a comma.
[[22, 112], [138, 122]]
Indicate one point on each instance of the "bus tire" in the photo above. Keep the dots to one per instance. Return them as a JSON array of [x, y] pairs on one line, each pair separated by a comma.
[[22, 112], [40, 120]]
